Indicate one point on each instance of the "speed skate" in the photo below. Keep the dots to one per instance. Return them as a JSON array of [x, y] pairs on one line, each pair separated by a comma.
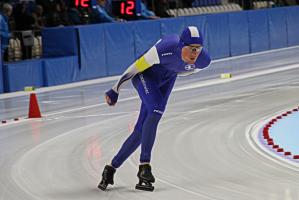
[[146, 178]]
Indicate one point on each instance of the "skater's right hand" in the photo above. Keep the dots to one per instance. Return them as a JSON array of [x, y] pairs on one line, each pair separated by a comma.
[[111, 97]]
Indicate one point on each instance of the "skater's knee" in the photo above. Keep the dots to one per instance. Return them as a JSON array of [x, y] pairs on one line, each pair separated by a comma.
[[158, 110], [155, 106], [138, 128], [154, 117]]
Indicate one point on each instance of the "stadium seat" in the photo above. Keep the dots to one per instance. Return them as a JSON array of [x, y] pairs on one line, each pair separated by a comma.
[[204, 10], [181, 12], [14, 50], [37, 48], [262, 4]]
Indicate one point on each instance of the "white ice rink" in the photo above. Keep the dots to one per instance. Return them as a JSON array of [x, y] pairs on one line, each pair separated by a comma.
[[203, 148]]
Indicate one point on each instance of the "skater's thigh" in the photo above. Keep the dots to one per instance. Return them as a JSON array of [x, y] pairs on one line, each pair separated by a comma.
[[149, 92], [166, 90], [142, 115]]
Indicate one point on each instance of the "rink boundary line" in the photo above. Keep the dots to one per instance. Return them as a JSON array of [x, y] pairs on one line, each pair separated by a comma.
[[113, 78], [252, 136], [238, 77]]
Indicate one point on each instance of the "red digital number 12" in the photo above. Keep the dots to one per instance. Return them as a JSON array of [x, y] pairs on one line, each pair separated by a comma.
[[127, 7], [83, 3]]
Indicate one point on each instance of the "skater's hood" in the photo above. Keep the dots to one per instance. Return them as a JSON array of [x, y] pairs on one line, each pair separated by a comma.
[[191, 35]]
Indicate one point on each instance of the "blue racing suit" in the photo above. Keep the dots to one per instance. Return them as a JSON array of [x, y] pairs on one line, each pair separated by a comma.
[[153, 76]]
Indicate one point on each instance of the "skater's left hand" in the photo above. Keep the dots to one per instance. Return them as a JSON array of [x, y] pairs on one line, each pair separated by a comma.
[[111, 97]]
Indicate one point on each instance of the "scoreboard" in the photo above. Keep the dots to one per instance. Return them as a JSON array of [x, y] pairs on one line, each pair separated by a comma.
[[124, 9], [82, 3]]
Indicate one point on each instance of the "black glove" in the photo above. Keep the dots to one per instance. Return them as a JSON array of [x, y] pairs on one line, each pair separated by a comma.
[[113, 96]]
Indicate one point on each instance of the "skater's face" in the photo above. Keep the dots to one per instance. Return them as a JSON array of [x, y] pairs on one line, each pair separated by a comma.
[[191, 52]]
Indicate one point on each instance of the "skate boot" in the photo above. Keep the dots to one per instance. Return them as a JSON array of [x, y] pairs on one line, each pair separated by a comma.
[[146, 178], [107, 177]]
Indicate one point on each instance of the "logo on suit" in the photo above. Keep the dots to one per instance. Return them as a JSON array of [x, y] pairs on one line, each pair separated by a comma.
[[189, 67]]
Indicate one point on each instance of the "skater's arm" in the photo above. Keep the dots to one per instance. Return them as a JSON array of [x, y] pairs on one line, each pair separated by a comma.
[[144, 62]]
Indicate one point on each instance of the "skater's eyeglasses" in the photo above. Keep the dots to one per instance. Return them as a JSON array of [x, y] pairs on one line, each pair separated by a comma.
[[195, 49]]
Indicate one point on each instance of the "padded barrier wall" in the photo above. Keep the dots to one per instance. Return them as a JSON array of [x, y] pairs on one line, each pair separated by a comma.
[[146, 33], [120, 48], [1, 73], [293, 26], [258, 30], [61, 70], [218, 32], [92, 62], [172, 25], [21, 74], [277, 28], [85, 52], [238, 28]]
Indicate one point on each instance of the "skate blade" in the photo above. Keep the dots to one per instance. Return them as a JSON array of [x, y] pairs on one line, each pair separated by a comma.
[[144, 187], [102, 187]]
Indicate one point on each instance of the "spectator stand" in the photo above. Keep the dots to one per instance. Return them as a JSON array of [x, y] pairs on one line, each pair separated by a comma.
[[25, 45]]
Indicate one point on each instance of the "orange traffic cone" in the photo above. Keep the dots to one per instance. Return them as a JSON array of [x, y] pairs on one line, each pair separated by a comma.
[[34, 111]]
